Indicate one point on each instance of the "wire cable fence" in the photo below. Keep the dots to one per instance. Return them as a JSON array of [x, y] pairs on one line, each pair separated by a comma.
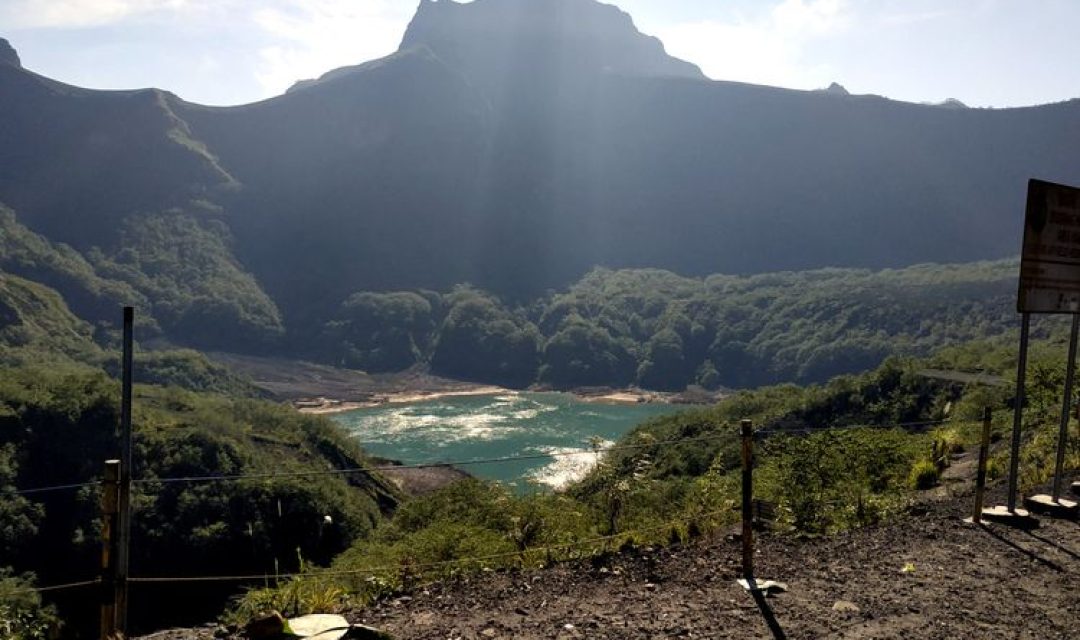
[[882, 427], [546, 549], [730, 434], [270, 475], [54, 587], [521, 457], [58, 487]]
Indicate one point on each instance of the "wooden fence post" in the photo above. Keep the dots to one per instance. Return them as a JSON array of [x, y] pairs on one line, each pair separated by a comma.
[[747, 498], [110, 498], [123, 531], [980, 478]]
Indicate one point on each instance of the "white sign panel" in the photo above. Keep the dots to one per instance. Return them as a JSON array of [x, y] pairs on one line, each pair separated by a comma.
[[1050, 260]]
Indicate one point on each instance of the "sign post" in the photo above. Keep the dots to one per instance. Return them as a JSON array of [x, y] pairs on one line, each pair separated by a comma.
[[1063, 432], [1018, 410], [1049, 284]]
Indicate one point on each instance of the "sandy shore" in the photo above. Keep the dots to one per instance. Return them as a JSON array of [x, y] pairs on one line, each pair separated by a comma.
[[620, 397], [322, 389], [634, 395], [329, 405]]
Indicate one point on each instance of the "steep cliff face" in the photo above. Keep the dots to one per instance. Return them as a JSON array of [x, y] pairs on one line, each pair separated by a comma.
[[491, 40], [8, 55], [75, 162]]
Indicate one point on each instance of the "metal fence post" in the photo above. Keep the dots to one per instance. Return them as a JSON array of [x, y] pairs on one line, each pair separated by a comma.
[[1018, 410], [980, 478], [124, 525], [110, 490], [747, 498]]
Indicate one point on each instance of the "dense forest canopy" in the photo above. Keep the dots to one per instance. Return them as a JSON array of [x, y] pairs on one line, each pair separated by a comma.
[[663, 331]]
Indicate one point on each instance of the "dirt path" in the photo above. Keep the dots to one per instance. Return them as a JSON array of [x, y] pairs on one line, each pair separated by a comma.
[[920, 576]]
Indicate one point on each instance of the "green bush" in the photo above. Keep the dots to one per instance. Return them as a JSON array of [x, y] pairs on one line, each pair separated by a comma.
[[57, 426], [924, 475], [22, 615]]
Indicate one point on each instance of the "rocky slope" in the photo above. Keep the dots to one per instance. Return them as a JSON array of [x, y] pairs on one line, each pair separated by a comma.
[[926, 574]]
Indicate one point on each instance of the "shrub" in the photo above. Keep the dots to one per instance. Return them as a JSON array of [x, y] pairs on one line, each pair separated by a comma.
[[924, 475], [22, 616]]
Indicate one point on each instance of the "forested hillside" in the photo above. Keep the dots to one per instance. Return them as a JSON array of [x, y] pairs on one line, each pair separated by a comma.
[[663, 331], [58, 424], [643, 327]]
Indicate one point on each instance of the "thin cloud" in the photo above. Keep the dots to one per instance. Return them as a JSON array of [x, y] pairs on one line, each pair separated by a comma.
[[904, 19], [767, 48], [311, 37], [76, 14]]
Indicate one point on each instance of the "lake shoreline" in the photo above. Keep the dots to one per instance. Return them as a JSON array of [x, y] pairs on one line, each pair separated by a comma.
[[521, 438], [323, 405], [322, 389]]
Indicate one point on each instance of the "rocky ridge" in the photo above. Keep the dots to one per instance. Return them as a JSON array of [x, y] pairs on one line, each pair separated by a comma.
[[8, 55]]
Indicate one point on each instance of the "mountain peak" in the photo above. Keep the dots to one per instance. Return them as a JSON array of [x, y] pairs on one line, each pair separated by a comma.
[[8, 55], [485, 39], [837, 89]]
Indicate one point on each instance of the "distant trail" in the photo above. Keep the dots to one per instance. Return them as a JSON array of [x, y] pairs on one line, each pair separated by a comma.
[[963, 376]]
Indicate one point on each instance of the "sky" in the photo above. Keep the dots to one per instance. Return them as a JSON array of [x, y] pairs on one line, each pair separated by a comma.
[[998, 53]]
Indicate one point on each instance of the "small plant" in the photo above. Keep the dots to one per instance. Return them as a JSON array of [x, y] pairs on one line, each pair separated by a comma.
[[924, 475], [951, 440], [22, 616], [293, 597]]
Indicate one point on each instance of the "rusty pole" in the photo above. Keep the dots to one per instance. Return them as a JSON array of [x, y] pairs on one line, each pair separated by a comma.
[[747, 498], [110, 489], [980, 478]]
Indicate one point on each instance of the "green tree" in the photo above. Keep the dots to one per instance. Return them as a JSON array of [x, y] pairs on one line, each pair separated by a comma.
[[482, 340], [381, 331], [583, 354]]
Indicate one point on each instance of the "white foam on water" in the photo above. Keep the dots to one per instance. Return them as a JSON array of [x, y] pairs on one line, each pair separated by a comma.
[[534, 412], [408, 422], [571, 465]]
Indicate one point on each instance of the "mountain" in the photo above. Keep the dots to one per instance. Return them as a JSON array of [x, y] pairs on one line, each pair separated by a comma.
[[35, 320], [8, 55], [513, 144], [75, 162], [523, 42]]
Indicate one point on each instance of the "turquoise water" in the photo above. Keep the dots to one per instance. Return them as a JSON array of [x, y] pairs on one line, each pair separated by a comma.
[[479, 427]]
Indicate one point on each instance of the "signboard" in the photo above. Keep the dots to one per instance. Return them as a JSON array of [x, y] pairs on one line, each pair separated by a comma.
[[1050, 259]]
